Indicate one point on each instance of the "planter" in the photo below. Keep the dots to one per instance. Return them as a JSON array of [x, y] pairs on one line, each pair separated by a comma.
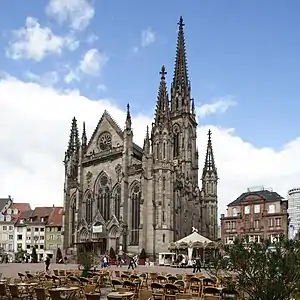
[[142, 261]]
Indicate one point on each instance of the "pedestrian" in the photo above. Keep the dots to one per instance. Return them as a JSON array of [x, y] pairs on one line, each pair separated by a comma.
[[47, 263], [131, 263], [119, 261], [197, 266]]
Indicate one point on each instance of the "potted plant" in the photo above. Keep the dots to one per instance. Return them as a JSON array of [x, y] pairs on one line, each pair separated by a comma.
[[87, 261], [142, 257]]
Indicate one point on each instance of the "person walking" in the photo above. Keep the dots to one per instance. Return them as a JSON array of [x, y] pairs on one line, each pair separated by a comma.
[[131, 263], [119, 261], [197, 266], [47, 263]]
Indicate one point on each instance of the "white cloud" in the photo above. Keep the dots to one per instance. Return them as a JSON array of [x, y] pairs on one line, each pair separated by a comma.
[[91, 64], [93, 61], [148, 37], [35, 42], [92, 39], [46, 79], [34, 130], [77, 13], [218, 106]]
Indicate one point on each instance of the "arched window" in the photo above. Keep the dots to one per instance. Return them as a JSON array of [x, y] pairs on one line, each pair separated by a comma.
[[176, 141], [73, 219], [89, 208], [103, 199], [164, 238], [157, 150], [135, 198], [164, 150], [117, 202]]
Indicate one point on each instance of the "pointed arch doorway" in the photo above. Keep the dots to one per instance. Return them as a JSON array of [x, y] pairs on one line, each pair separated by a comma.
[[114, 238]]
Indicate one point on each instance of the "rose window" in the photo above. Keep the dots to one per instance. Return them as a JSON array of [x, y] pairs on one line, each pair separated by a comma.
[[105, 141]]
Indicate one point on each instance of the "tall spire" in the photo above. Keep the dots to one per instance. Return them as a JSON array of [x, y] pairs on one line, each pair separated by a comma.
[[128, 118], [209, 165], [146, 147], [162, 112], [180, 78], [84, 138], [74, 142]]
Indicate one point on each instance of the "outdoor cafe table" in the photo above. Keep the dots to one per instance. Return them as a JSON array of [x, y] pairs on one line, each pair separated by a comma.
[[120, 295], [27, 287], [68, 291]]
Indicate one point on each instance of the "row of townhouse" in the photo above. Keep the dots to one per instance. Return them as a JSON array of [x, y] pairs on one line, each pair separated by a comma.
[[22, 228]]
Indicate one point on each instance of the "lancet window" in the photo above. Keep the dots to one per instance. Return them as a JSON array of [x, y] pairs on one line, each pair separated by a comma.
[[89, 208], [135, 198], [73, 219], [176, 141], [103, 198], [117, 196]]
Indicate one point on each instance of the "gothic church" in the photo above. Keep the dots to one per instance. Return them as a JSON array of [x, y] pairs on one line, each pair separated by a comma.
[[119, 195]]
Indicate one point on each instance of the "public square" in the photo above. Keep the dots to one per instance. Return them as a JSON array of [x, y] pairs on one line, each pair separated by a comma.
[[12, 269]]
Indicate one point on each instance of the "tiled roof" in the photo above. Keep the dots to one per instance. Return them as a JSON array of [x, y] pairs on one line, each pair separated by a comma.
[[21, 206], [269, 196], [23, 216], [56, 217]]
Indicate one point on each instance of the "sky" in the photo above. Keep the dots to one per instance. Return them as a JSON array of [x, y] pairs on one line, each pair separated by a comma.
[[65, 58]]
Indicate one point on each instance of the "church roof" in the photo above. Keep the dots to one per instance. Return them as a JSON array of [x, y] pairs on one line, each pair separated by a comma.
[[194, 237]]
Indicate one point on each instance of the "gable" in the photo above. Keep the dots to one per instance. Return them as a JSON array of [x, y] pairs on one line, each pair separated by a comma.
[[107, 135]]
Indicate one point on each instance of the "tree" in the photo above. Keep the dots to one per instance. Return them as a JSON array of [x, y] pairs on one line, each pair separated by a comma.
[[59, 257], [34, 257], [262, 271], [87, 260], [112, 253]]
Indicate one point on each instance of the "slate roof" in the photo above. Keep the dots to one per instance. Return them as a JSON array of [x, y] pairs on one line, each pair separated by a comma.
[[269, 196], [3, 201], [56, 217]]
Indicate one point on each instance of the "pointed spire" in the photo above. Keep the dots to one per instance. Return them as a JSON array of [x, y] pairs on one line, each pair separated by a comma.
[[128, 118], [83, 138], [74, 142], [146, 147], [162, 112], [180, 78], [209, 165]]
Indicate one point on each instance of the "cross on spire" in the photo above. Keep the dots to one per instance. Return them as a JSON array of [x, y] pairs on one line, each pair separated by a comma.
[[163, 72], [180, 23]]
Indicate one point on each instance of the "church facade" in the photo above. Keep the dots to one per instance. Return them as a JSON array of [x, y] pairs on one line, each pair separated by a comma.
[[120, 195]]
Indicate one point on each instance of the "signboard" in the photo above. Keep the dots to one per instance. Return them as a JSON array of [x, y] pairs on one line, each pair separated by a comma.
[[98, 229]]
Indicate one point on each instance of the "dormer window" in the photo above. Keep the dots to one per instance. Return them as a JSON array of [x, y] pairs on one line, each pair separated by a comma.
[[9, 211], [21, 221], [42, 219], [16, 211], [8, 218]]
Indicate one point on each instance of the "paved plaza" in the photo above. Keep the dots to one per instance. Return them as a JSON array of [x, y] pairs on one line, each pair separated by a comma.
[[12, 269]]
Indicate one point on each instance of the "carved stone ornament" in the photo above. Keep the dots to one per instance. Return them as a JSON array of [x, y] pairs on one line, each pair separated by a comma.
[[89, 176]]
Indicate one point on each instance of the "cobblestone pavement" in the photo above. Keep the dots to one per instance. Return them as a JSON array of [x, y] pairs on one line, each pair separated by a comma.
[[12, 269]]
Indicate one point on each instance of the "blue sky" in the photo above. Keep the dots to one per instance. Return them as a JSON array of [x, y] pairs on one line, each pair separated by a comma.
[[247, 49], [65, 58]]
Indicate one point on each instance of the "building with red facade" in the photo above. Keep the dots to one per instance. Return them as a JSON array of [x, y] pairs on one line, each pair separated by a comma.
[[256, 214]]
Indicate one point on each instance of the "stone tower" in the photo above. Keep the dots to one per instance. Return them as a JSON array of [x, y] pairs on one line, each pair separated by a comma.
[[71, 162], [161, 137], [209, 191]]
